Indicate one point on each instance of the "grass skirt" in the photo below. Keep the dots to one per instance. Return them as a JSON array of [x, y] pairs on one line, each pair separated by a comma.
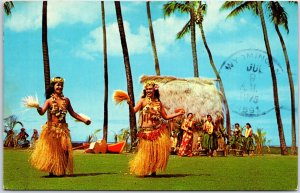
[[153, 152], [209, 142], [53, 150], [250, 144]]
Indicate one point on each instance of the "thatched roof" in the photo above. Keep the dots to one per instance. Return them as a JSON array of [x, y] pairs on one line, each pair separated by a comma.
[[196, 95]]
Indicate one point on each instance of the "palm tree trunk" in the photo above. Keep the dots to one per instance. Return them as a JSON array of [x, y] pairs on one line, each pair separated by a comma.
[[132, 118], [157, 70], [274, 80], [193, 42], [292, 91], [105, 108], [45, 46], [228, 125], [45, 49]]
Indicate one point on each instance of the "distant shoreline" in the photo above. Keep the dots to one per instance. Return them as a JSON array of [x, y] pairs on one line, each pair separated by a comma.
[[77, 143]]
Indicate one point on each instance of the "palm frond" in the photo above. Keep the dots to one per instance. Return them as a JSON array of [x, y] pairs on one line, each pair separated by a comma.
[[230, 4], [293, 2], [8, 5], [173, 6], [202, 9], [186, 29], [20, 123], [96, 131], [278, 15], [246, 5]]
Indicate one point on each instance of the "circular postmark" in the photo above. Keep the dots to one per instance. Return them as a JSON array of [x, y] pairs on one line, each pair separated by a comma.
[[247, 76]]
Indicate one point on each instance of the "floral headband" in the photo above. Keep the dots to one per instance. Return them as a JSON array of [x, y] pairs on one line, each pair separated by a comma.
[[152, 84], [57, 80]]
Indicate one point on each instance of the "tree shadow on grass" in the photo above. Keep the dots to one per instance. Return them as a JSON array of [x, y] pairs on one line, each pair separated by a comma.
[[78, 175], [175, 175]]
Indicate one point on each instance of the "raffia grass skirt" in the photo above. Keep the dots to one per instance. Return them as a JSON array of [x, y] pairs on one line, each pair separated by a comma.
[[53, 150], [152, 155]]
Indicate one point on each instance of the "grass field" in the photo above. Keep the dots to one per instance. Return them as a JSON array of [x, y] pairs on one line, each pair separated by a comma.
[[110, 172]]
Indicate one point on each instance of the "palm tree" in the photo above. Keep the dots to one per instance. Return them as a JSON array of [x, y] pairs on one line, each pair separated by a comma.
[[105, 113], [93, 137], [11, 121], [45, 46], [256, 7], [124, 136], [8, 5], [279, 17], [132, 118], [260, 140], [156, 63], [185, 7], [9, 125], [45, 49], [199, 17]]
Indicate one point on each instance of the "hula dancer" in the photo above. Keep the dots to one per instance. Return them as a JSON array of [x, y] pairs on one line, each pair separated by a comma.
[[249, 138], [237, 138], [53, 150], [187, 139], [209, 138], [154, 138]]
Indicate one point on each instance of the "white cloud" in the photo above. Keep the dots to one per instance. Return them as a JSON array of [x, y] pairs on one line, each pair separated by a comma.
[[138, 43], [29, 14], [216, 19], [28, 17], [165, 32], [70, 13]]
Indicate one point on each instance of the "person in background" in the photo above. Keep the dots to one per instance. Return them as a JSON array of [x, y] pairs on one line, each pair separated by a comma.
[[237, 130], [174, 143], [21, 138], [209, 138], [34, 137], [187, 139], [9, 139], [249, 139]]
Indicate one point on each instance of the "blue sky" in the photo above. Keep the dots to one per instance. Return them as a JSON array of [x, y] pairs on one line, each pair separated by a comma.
[[75, 51]]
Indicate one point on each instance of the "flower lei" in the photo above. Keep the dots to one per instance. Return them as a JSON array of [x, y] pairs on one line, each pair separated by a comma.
[[155, 116], [59, 112], [209, 127], [153, 135]]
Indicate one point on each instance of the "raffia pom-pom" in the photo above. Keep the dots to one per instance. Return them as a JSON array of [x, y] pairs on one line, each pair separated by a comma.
[[120, 96], [30, 102], [83, 116]]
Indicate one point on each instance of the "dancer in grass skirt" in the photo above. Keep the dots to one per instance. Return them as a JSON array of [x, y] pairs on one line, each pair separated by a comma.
[[209, 138], [249, 139], [53, 150], [154, 137]]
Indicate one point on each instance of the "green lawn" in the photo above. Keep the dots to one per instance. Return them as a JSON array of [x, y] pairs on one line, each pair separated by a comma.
[[110, 172]]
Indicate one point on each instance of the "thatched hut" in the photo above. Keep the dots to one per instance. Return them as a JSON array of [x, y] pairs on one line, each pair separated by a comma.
[[199, 96]]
